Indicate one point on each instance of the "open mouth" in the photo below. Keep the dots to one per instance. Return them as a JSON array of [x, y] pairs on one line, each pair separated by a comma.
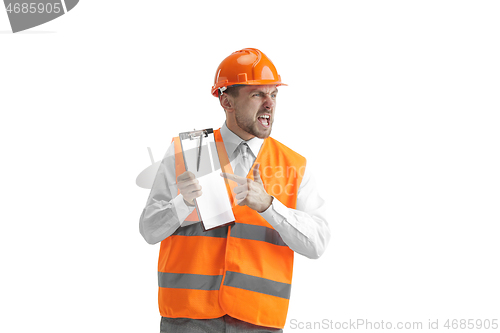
[[264, 120]]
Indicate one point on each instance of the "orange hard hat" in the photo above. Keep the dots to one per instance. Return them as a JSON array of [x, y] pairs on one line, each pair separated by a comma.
[[247, 67]]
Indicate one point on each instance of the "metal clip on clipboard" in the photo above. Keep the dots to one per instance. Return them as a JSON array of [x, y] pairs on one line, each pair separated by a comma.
[[196, 134], [200, 156]]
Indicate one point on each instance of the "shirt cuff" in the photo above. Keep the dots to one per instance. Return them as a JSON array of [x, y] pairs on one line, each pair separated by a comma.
[[275, 214], [182, 209], [280, 217]]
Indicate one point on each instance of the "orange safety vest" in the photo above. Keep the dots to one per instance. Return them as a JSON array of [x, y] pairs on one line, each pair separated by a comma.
[[242, 270]]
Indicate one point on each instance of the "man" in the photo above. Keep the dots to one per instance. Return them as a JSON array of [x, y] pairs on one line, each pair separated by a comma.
[[236, 278]]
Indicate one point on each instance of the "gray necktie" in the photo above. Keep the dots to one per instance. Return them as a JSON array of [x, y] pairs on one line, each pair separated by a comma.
[[244, 160]]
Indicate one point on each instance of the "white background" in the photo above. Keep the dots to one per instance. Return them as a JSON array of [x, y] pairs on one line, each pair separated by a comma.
[[394, 103]]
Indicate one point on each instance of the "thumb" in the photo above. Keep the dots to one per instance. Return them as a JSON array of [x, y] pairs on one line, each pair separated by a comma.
[[256, 174]]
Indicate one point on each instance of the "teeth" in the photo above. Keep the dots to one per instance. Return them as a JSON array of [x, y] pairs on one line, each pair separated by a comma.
[[264, 116]]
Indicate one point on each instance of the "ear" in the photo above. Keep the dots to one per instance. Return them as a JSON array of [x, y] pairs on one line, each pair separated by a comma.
[[226, 102]]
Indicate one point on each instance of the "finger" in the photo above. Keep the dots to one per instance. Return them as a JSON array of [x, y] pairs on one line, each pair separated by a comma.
[[256, 174], [187, 183], [186, 176], [240, 188], [191, 196], [192, 192], [238, 179], [190, 188], [241, 196]]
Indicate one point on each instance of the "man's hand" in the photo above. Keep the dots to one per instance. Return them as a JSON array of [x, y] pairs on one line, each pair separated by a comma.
[[189, 187], [249, 192]]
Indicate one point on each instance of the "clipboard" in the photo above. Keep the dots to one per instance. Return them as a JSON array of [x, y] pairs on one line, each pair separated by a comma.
[[202, 159]]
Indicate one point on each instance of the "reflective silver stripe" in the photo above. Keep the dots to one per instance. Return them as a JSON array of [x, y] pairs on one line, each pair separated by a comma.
[[196, 230], [257, 284], [189, 281], [257, 232]]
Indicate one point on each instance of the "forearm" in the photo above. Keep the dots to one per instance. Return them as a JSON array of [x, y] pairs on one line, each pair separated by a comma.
[[306, 233], [160, 218], [165, 210]]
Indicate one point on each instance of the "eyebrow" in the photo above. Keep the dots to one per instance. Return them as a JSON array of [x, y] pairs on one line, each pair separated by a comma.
[[275, 91]]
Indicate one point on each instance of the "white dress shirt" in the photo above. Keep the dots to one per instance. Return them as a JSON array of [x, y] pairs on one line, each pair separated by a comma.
[[304, 229]]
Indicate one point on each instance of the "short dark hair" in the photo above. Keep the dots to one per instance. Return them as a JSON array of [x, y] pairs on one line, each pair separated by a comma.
[[234, 91]]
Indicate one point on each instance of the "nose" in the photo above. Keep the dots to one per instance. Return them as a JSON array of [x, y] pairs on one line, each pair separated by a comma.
[[269, 102]]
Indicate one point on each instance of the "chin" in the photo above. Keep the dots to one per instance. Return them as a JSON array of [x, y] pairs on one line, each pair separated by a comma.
[[264, 135]]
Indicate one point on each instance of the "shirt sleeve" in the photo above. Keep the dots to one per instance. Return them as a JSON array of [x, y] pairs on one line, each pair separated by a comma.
[[165, 210], [305, 229]]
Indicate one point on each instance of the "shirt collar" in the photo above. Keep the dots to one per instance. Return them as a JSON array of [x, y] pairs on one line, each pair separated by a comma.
[[232, 141]]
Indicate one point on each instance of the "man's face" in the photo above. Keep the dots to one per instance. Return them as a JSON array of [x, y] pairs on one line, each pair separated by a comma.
[[254, 109]]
